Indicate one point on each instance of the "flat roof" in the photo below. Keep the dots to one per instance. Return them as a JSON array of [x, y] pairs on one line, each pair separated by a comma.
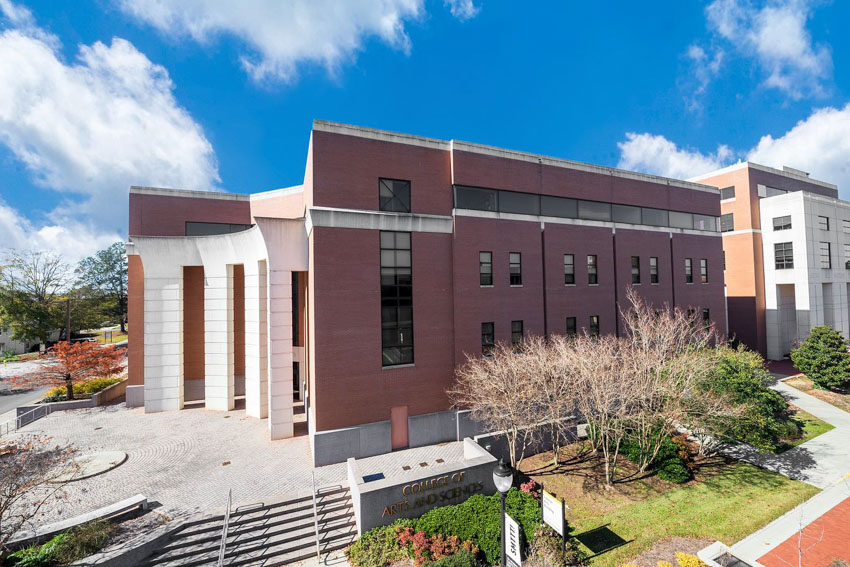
[[784, 173]]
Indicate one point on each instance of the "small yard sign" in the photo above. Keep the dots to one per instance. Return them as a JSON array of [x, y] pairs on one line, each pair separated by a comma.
[[512, 543], [553, 512]]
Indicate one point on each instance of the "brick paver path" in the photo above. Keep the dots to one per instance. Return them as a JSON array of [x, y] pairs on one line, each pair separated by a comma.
[[823, 541]]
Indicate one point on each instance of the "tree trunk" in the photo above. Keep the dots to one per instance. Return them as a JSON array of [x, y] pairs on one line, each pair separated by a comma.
[[123, 325], [69, 387]]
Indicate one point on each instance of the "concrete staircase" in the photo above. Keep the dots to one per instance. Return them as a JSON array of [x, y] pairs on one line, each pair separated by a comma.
[[264, 534]]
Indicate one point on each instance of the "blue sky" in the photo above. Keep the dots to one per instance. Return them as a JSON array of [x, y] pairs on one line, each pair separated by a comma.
[[205, 94]]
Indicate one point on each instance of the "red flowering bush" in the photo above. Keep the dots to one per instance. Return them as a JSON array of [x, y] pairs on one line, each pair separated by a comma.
[[423, 548], [531, 487]]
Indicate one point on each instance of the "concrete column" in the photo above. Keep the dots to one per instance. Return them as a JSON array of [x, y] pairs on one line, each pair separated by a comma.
[[218, 337], [280, 354], [256, 340], [164, 342]]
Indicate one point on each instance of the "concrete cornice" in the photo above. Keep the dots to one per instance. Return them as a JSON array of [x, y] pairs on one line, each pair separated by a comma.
[[766, 169], [383, 135], [165, 192], [277, 192], [377, 220]]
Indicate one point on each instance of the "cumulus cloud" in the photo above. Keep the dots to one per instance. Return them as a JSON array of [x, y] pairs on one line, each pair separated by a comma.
[[282, 35], [89, 129], [776, 37], [820, 144], [705, 67]]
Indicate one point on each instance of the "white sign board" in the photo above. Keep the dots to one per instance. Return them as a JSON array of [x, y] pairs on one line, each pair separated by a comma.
[[512, 543], [553, 512]]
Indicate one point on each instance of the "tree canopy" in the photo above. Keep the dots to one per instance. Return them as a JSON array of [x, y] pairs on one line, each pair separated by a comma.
[[823, 357]]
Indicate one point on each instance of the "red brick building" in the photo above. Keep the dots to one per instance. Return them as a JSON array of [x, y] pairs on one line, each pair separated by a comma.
[[362, 289]]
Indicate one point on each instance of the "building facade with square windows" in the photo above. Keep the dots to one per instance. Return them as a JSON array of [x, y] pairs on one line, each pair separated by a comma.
[[356, 294], [786, 241]]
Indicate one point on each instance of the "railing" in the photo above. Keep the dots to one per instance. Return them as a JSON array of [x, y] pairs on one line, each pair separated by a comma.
[[316, 517], [24, 419], [222, 547]]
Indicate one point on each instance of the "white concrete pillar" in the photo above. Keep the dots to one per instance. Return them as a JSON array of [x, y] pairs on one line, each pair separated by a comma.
[[280, 354], [218, 337], [164, 342], [256, 340]]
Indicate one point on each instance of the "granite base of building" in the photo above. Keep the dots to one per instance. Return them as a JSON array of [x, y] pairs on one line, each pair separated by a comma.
[[135, 396]]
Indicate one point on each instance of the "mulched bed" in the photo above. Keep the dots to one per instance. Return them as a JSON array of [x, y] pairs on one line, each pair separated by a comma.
[[665, 550]]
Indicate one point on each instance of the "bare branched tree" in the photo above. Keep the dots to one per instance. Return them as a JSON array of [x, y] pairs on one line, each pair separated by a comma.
[[557, 386]]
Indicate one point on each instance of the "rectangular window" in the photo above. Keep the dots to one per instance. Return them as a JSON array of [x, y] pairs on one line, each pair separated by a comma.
[[653, 269], [485, 268], [681, 220], [727, 223], [396, 299], [394, 195], [703, 270], [727, 193], [783, 253], [569, 269], [705, 222], [521, 203], [847, 256], [488, 338], [516, 268], [655, 217], [594, 326], [592, 276], [825, 256], [516, 332], [571, 326], [845, 224], [558, 207], [706, 318], [823, 223], [635, 269], [689, 270], [212, 228], [625, 213], [476, 199], [592, 210], [782, 223]]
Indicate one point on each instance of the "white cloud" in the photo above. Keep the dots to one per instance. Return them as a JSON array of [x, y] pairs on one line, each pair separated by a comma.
[[776, 36], [657, 155], [89, 129], [282, 35], [705, 67]]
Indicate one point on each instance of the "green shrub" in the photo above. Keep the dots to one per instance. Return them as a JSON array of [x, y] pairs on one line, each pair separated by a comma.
[[823, 357], [673, 470], [545, 550], [378, 547], [65, 548], [462, 558], [81, 389], [38, 555]]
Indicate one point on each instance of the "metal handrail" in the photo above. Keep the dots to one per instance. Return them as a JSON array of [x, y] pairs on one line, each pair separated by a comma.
[[316, 517], [22, 420], [223, 545]]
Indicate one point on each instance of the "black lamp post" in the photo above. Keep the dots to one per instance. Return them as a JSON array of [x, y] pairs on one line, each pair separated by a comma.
[[503, 478]]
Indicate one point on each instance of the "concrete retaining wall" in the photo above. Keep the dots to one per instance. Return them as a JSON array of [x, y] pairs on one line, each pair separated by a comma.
[[110, 394], [541, 440]]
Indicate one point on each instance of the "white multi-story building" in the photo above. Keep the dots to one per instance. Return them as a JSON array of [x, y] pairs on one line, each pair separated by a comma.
[[806, 243]]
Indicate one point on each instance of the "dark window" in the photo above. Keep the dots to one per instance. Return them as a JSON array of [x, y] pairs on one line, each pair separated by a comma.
[[476, 199], [488, 338], [522, 203], [653, 269], [558, 207], [213, 228], [825, 256], [689, 270], [592, 276], [681, 220], [703, 270], [654, 217], [705, 222], [625, 213], [782, 223], [727, 193], [394, 195], [485, 268], [727, 223], [594, 326], [846, 225], [516, 332], [823, 223], [783, 254], [516, 268], [592, 210], [569, 269], [396, 299], [295, 331], [635, 269], [571, 326], [706, 318]]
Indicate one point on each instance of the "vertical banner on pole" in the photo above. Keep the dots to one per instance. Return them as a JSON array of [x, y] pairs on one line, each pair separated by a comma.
[[512, 543]]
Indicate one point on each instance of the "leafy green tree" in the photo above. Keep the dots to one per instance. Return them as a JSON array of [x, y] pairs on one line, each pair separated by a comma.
[[105, 273], [823, 357], [32, 285]]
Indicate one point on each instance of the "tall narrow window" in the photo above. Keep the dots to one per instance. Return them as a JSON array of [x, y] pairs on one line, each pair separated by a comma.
[[825, 256], [488, 338], [703, 270], [823, 223], [571, 326], [783, 253], [635, 269], [516, 333], [394, 195], [653, 270], [592, 275], [396, 299], [847, 256], [706, 318], [516, 268], [846, 226], [593, 330], [689, 270], [569, 269], [485, 268]]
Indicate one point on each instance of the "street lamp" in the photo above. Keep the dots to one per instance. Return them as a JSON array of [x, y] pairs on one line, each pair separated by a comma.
[[503, 478]]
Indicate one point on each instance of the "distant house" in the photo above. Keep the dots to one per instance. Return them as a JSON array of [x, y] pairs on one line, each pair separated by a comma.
[[7, 343]]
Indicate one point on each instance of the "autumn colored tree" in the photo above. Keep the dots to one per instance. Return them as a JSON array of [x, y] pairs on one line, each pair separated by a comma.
[[75, 362]]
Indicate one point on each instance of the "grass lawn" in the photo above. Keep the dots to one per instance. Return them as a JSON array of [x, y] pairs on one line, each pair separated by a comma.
[[841, 400], [810, 427], [117, 336], [726, 501]]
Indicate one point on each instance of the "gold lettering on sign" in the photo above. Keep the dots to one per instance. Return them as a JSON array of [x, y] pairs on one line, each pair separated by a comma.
[[445, 496]]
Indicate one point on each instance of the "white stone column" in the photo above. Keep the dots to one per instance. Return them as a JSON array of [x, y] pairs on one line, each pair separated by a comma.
[[280, 354], [256, 340], [218, 337], [164, 342]]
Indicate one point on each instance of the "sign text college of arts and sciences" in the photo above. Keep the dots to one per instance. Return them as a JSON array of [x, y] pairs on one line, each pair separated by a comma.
[[432, 492]]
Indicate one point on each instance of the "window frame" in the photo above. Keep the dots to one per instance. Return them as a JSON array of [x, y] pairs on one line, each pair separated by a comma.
[[574, 331], [517, 336], [823, 222], [481, 264], [593, 326], [703, 270], [592, 269], [787, 251], [401, 297], [635, 270], [727, 196], [781, 225], [569, 269], [487, 347], [515, 278], [728, 227], [394, 198], [689, 270], [653, 270], [828, 255]]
